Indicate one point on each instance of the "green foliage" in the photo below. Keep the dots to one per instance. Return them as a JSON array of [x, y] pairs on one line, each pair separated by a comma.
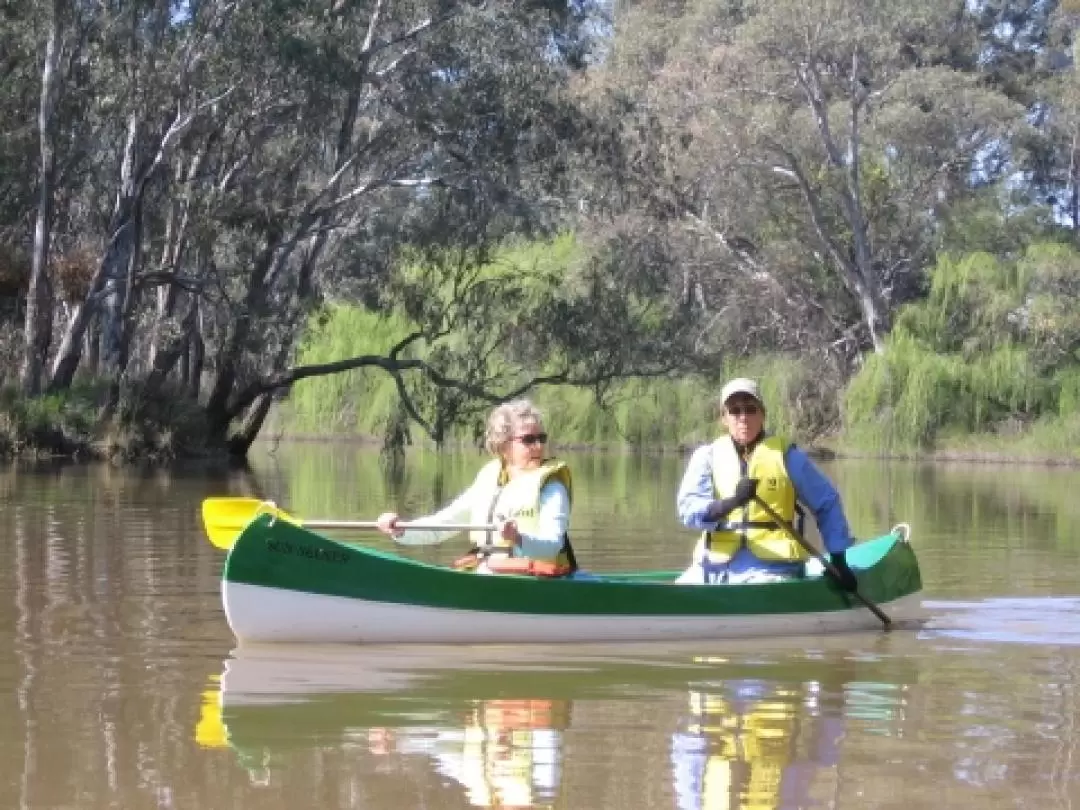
[[871, 112], [360, 401], [641, 413], [636, 413], [538, 313], [968, 307], [993, 348], [897, 397], [155, 426], [982, 223], [1067, 382], [54, 424]]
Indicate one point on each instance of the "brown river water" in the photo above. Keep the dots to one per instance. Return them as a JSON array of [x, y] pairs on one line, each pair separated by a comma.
[[126, 690]]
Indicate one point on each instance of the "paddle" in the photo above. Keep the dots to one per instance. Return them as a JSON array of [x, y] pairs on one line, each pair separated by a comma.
[[821, 558], [225, 518]]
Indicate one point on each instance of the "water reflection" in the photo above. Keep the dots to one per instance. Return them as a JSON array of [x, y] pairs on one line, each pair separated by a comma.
[[536, 727], [753, 744], [507, 752]]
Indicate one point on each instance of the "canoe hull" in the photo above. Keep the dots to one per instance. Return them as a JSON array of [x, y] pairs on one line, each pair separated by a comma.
[[270, 615], [285, 583]]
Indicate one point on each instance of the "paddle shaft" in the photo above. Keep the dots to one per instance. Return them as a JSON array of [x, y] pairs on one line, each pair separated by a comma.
[[371, 524], [798, 538]]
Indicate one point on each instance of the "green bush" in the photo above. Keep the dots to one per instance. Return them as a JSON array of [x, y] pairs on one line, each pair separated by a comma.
[[52, 424], [991, 350], [160, 426]]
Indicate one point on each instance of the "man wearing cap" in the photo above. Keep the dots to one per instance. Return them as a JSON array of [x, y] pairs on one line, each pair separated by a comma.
[[720, 493]]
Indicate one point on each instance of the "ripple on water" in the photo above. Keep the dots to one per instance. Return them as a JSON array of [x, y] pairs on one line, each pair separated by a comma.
[[1016, 620]]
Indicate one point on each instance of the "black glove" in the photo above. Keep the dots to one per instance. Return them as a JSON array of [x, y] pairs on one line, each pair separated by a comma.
[[718, 510], [846, 579], [744, 493]]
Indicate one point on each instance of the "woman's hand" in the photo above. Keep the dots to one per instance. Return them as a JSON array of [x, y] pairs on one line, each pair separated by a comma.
[[508, 531], [388, 524]]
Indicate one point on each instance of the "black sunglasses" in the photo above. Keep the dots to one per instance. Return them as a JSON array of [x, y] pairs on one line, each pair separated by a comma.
[[739, 410], [529, 439]]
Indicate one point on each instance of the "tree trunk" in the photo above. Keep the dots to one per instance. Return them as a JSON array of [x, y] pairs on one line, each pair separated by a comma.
[[240, 443], [872, 317], [37, 326], [92, 347], [1074, 182], [166, 358], [193, 364], [856, 268], [69, 354], [175, 241], [120, 262], [217, 406]]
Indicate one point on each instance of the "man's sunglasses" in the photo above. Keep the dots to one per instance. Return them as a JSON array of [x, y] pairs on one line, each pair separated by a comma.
[[739, 410], [529, 439]]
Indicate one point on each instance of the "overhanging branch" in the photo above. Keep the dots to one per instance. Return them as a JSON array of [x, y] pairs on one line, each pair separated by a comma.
[[395, 366]]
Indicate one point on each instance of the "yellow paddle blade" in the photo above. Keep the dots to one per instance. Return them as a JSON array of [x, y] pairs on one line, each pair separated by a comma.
[[225, 518]]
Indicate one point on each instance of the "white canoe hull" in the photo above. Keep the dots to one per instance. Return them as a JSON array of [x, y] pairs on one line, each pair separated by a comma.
[[259, 614]]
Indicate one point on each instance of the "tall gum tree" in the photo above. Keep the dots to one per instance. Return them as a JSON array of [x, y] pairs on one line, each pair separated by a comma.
[[238, 165], [813, 142]]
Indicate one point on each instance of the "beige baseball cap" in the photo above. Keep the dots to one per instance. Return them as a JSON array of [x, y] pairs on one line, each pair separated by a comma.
[[740, 385]]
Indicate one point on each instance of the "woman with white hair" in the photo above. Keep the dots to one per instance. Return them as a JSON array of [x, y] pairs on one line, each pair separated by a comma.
[[521, 491]]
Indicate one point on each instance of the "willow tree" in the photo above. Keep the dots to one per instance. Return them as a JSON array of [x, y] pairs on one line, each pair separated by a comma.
[[995, 344]]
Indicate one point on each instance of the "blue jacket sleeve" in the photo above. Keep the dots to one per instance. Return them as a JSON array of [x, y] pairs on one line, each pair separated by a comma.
[[816, 491], [696, 490]]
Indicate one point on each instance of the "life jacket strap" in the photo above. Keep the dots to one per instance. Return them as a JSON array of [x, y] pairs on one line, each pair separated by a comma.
[[499, 562], [741, 525], [713, 572], [528, 567]]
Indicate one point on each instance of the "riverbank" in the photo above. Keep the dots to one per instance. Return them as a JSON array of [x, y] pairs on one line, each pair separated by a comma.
[[987, 449]]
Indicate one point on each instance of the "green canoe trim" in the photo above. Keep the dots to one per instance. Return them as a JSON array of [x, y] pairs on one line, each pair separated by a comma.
[[277, 554]]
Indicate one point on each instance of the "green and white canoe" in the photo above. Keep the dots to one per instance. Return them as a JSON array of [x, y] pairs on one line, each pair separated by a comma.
[[285, 583]]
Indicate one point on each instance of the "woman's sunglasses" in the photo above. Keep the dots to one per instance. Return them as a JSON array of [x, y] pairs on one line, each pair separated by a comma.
[[529, 439], [739, 410]]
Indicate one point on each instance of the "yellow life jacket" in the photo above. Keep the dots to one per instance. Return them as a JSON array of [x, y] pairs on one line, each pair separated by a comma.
[[498, 497], [752, 525]]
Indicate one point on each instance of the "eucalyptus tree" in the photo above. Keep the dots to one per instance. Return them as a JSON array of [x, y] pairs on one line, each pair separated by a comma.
[[808, 146], [28, 108], [233, 165], [437, 127], [20, 85], [20, 80]]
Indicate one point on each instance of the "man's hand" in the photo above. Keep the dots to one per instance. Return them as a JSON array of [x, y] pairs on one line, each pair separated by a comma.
[[846, 578], [718, 510], [745, 491]]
